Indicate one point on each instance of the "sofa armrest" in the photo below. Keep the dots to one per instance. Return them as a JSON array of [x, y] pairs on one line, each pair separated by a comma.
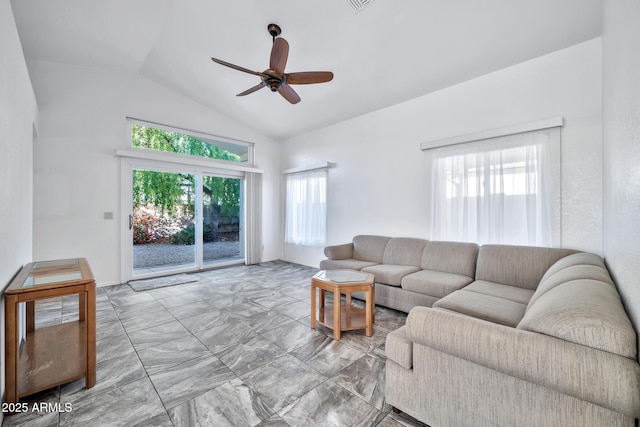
[[599, 377], [344, 251], [399, 348]]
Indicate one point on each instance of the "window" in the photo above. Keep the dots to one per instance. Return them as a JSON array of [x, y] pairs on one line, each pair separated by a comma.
[[306, 208], [156, 137], [494, 191]]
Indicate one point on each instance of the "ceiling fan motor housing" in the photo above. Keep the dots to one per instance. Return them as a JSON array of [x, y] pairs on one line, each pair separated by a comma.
[[272, 80]]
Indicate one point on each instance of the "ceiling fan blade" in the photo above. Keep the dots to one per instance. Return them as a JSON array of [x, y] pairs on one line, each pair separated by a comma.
[[236, 67], [289, 94], [279, 54], [309, 77], [251, 90]]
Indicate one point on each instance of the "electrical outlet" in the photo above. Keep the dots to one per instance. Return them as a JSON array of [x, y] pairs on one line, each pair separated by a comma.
[[108, 215]]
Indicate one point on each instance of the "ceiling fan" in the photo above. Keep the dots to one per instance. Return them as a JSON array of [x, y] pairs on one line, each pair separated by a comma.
[[274, 77]]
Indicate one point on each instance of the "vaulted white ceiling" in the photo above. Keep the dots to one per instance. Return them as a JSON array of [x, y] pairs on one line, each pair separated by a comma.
[[389, 52]]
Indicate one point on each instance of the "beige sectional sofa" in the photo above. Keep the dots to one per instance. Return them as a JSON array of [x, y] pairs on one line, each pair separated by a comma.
[[408, 272], [537, 337]]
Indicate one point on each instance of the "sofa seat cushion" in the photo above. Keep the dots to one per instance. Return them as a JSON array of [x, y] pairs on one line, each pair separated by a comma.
[[389, 274], [349, 264], [486, 307], [399, 348], [511, 293], [586, 312], [434, 283]]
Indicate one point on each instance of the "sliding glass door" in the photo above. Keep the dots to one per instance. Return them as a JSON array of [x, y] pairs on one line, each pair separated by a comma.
[[183, 221], [222, 220], [163, 221]]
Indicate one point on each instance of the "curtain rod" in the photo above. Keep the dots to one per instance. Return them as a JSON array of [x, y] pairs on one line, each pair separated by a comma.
[[494, 133], [310, 167]]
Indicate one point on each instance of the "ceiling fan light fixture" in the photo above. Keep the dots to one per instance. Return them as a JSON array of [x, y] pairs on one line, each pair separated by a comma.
[[274, 84]]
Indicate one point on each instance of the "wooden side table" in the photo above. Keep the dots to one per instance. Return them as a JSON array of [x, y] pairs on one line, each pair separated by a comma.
[[343, 317], [56, 354]]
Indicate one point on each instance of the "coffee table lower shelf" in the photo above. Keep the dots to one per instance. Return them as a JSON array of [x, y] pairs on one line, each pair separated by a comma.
[[351, 318], [52, 356]]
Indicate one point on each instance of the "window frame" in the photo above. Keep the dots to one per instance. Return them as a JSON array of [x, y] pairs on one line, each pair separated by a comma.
[[227, 144]]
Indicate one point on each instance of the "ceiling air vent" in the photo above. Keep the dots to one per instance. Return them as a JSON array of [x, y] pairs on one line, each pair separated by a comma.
[[357, 5]]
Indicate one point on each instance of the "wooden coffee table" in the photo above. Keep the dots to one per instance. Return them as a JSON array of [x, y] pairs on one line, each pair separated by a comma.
[[343, 317]]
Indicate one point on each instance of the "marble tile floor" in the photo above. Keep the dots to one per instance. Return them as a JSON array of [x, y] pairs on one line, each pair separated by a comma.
[[233, 349]]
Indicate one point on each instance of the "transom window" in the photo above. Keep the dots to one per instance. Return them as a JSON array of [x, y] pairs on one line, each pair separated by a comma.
[[159, 138]]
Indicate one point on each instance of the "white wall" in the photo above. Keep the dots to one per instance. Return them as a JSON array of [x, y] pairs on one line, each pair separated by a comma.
[[621, 108], [77, 176], [17, 118], [381, 181]]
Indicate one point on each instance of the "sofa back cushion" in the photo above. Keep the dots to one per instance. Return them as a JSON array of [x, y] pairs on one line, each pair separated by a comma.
[[584, 311], [450, 257], [521, 266], [369, 248], [404, 251], [573, 267], [579, 258]]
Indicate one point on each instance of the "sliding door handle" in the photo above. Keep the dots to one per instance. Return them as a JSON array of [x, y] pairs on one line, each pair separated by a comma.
[[130, 221]]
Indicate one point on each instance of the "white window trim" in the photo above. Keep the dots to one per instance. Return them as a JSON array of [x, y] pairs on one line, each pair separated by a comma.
[[184, 160], [554, 124]]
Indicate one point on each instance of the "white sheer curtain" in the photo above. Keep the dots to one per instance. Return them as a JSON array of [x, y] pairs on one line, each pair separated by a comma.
[[494, 191], [253, 218], [306, 208]]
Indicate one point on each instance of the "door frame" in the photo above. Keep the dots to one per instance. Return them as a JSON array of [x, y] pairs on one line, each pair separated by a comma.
[[169, 164]]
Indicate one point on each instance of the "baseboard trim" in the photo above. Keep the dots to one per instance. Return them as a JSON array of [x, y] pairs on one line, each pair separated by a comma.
[[105, 284]]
